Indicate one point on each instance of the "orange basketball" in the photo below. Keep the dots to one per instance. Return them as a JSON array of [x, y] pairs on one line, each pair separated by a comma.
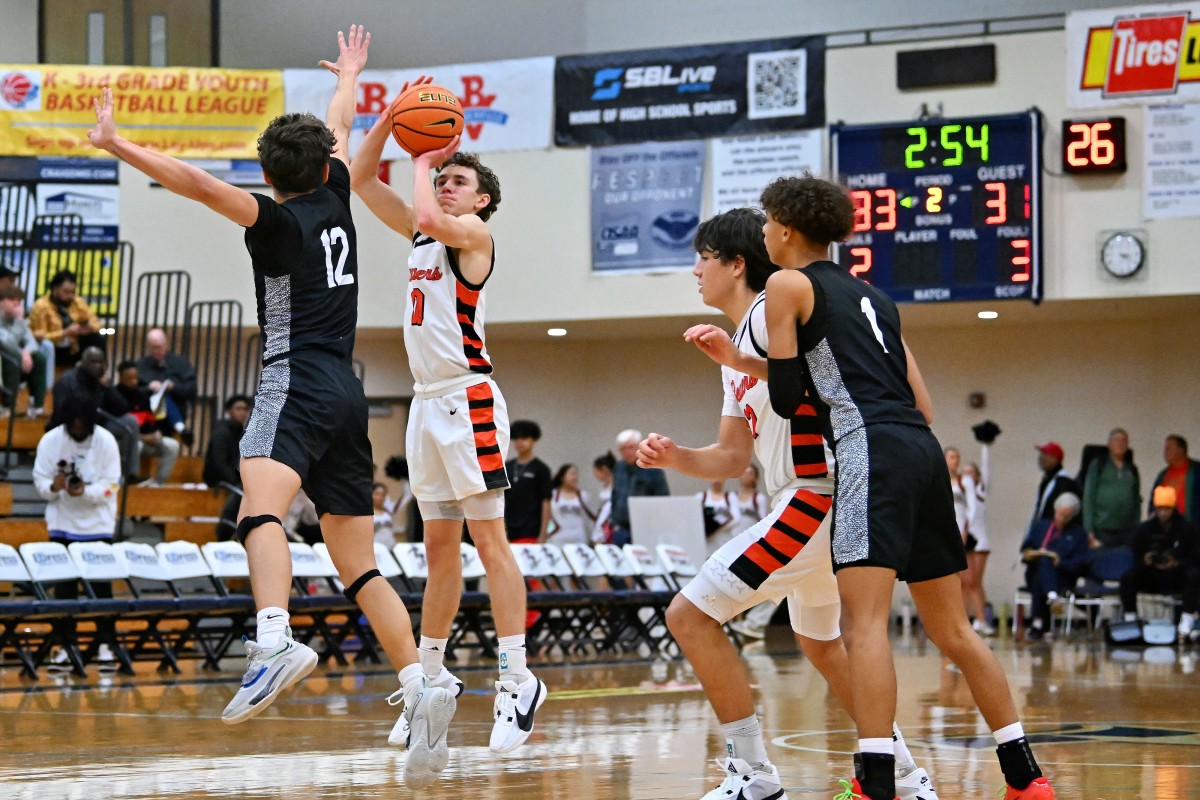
[[426, 118]]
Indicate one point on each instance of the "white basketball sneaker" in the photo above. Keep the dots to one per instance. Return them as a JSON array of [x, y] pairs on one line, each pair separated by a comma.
[[515, 706], [269, 671], [445, 680], [744, 782], [915, 786], [427, 712]]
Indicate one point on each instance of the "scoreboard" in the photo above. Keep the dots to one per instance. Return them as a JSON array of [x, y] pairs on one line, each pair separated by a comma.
[[945, 209]]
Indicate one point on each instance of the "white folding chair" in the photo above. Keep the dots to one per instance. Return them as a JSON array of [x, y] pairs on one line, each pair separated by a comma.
[[472, 564], [585, 564], [677, 564], [225, 559], [649, 572], [385, 562], [413, 563], [614, 561], [13, 628]]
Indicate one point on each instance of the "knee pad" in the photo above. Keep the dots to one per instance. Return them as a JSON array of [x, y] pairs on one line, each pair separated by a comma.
[[353, 589], [248, 524], [437, 510], [488, 505]]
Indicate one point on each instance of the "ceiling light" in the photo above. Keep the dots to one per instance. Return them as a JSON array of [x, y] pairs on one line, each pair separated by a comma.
[[988, 314], [556, 332]]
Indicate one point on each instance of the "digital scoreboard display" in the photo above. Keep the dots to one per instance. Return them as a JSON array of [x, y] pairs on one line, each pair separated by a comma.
[[946, 209]]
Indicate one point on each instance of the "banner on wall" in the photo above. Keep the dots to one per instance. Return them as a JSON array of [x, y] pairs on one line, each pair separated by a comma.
[[645, 206], [1134, 55], [1172, 169], [46, 110], [690, 92], [506, 104], [743, 166]]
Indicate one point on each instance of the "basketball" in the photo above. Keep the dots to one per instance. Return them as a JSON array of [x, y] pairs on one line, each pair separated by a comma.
[[425, 118]]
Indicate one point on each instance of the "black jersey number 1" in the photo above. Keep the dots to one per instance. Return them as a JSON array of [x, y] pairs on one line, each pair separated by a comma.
[[336, 237]]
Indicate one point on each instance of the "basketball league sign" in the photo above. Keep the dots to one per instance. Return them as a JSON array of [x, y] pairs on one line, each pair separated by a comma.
[[1133, 55]]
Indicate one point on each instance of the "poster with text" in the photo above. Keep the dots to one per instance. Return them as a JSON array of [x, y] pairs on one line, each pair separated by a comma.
[[645, 206], [743, 166], [690, 92], [1172, 152], [506, 104]]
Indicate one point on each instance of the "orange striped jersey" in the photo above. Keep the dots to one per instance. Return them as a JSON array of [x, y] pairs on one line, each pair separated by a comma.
[[443, 316], [792, 452]]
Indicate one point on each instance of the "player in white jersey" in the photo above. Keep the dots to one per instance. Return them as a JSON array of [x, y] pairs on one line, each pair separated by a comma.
[[458, 424], [787, 554]]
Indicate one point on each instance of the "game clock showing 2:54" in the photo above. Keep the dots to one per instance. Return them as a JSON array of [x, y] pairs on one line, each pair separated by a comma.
[[945, 209]]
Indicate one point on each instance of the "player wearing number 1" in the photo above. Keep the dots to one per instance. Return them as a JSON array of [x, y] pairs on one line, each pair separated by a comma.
[[458, 425], [893, 513], [309, 425]]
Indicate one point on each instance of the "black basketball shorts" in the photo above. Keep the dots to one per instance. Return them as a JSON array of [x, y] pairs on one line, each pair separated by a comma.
[[894, 505], [310, 413]]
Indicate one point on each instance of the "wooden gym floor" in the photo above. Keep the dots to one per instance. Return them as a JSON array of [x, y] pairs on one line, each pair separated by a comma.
[[1105, 725]]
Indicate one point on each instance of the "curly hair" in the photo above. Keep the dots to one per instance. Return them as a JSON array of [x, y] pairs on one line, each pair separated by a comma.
[[294, 151], [738, 233], [820, 210], [489, 184]]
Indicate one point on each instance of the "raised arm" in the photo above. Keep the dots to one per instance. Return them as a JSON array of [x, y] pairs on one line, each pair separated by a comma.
[[466, 232], [382, 199], [352, 58], [182, 179]]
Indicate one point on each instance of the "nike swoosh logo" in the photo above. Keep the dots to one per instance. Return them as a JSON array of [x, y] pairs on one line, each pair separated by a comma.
[[453, 411], [525, 721], [274, 616], [266, 690], [447, 121], [255, 680]]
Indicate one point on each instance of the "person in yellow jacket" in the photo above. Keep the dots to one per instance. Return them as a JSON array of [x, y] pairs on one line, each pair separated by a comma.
[[65, 319]]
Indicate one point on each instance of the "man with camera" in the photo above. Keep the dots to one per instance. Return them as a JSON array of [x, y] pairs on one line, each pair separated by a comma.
[[1166, 552], [77, 472]]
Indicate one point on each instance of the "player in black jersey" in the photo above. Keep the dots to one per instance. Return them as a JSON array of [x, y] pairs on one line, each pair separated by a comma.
[[894, 513], [309, 425]]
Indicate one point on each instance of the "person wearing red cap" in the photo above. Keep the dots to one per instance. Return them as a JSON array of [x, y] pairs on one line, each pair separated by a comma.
[[1056, 481]]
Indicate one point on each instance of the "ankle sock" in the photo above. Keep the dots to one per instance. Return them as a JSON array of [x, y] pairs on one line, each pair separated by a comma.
[[905, 763], [744, 740], [512, 656], [431, 652], [411, 677], [272, 626]]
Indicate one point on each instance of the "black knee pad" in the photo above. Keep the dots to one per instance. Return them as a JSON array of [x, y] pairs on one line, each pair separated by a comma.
[[353, 589], [248, 524]]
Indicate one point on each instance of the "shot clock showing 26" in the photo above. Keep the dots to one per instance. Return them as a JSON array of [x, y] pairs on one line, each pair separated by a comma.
[[945, 209]]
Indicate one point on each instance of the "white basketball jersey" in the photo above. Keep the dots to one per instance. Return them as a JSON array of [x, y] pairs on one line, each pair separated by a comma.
[[792, 452], [443, 317]]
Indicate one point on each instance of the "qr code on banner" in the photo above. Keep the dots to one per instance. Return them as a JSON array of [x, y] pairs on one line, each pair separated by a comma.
[[776, 83]]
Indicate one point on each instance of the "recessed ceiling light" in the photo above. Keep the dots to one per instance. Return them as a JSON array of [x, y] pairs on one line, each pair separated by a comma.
[[556, 332], [988, 314]]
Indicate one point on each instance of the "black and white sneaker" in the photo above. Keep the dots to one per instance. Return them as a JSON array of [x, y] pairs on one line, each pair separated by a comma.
[[744, 782], [515, 706]]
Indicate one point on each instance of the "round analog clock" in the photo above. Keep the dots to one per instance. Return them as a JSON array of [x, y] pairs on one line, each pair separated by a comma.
[[1122, 255]]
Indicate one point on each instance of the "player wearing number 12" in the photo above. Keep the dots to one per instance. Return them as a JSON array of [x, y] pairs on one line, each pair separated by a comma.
[[309, 425], [457, 434], [894, 512]]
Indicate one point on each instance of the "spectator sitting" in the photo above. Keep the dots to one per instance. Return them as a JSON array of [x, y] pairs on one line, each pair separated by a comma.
[[1112, 495], [1055, 554], [527, 500], [1183, 475], [1055, 480], [222, 460], [1165, 561], [77, 471], [21, 357], [152, 440], [630, 480], [89, 382], [171, 375], [65, 319]]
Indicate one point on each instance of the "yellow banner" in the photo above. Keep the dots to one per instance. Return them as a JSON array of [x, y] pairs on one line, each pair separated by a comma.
[[46, 110]]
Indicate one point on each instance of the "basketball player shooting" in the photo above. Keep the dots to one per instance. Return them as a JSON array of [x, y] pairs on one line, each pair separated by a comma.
[[458, 424], [309, 424]]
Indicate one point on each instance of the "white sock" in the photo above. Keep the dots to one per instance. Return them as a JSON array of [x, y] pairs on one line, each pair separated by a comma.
[[431, 652], [904, 760], [411, 677], [744, 740], [272, 626], [1130, 616], [1009, 733], [1188, 617], [883, 747], [512, 656]]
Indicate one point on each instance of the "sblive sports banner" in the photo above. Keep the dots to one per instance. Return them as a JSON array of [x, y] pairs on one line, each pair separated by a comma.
[[1135, 55], [46, 110], [506, 104], [690, 92]]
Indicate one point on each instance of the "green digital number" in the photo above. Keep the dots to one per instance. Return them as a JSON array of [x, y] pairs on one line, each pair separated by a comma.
[[910, 152], [949, 144], [980, 144]]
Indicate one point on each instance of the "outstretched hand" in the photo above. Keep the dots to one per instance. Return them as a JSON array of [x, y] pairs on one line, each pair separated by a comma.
[[435, 158], [422, 80], [102, 135], [352, 52]]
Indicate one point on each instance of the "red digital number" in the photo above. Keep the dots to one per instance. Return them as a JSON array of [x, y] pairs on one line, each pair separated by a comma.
[[1094, 147], [869, 215], [999, 203], [418, 306], [862, 209], [1021, 260], [860, 269]]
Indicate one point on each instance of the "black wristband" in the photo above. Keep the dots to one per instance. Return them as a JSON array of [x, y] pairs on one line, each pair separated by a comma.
[[785, 382]]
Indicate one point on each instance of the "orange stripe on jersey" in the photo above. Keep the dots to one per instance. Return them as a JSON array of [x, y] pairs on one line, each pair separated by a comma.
[[764, 560], [468, 301], [807, 438], [811, 470], [805, 410], [480, 401]]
